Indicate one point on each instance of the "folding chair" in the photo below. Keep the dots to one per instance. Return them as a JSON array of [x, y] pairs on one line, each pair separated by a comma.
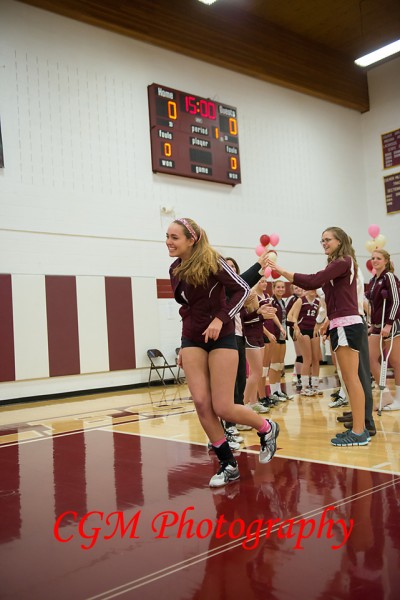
[[159, 363], [179, 379]]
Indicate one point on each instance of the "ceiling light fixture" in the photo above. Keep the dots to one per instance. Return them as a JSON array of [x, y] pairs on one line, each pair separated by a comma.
[[377, 55], [207, 1]]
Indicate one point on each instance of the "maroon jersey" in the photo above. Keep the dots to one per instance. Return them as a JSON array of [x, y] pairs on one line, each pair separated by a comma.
[[281, 313], [339, 284], [386, 281], [289, 303], [308, 313], [253, 322], [203, 303]]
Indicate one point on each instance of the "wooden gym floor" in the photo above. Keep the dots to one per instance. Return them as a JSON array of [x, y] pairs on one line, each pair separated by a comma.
[[106, 495]]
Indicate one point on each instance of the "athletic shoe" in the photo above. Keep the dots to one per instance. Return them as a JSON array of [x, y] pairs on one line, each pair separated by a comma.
[[339, 402], [268, 442], [271, 401], [283, 395], [345, 418], [350, 439], [317, 391], [280, 396], [275, 397], [236, 437], [241, 427], [232, 441], [259, 408], [225, 474], [307, 392], [344, 433], [395, 405], [232, 430], [335, 395], [368, 426]]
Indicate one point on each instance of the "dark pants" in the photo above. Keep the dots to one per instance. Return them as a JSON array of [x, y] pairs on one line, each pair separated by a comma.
[[364, 373], [240, 382]]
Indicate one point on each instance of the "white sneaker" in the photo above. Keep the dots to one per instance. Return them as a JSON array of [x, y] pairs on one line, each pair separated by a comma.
[[307, 392], [339, 402], [225, 474], [240, 427], [232, 430], [268, 442], [259, 408], [232, 441], [235, 436]]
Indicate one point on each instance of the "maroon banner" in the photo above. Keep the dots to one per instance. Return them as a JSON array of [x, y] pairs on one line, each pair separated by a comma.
[[62, 325], [121, 337], [391, 149], [7, 359], [392, 193]]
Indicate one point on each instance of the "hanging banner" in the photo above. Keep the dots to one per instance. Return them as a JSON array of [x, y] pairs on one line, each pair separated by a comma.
[[391, 149], [392, 193]]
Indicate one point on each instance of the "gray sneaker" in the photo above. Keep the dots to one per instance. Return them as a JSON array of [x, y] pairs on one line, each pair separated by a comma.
[[339, 402], [351, 439], [344, 433], [268, 442], [225, 474]]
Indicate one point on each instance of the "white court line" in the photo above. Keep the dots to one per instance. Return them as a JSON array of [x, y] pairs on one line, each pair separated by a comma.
[[249, 451], [179, 566]]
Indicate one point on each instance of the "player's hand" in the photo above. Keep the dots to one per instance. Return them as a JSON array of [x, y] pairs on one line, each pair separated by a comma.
[[213, 330]]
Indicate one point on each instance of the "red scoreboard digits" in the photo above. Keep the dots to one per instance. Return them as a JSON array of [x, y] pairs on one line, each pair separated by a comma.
[[192, 136]]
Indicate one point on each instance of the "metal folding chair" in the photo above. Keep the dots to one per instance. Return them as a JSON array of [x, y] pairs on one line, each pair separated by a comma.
[[179, 379], [159, 363]]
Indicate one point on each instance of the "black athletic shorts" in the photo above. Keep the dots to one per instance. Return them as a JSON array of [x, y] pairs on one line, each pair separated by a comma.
[[228, 341], [349, 335]]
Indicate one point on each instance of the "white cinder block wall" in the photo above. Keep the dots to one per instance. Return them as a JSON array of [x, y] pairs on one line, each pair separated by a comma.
[[78, 197]]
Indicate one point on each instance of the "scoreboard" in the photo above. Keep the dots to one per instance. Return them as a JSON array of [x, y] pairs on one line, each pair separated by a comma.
[[192, 136]]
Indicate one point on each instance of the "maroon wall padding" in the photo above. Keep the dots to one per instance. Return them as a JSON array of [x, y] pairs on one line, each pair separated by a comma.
[[62, 325], [7, 358], [69, 470], [121, 340], [10, 513], [164, 289]]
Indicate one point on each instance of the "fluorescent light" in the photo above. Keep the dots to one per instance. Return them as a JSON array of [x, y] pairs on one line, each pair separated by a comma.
[[380, 54], [207, 1]]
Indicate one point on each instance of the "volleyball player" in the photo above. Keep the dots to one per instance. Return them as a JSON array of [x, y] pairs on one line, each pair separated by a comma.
[[385, 281], [278, 349], [200, 280], [303, 315], [338, 281]]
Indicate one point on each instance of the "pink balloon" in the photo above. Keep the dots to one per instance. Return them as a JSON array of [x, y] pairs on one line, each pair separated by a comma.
[[274, 239], [267, 271], [259, 250], [374, 230]]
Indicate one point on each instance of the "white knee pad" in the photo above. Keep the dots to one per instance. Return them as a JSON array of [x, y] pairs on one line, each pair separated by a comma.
[[281, 367], [265, 371], [276, 366]]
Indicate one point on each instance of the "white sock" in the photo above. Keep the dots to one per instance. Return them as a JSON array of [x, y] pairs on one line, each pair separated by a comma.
[[315, 382], [397, 394], [275, 387], [342, 393], [304, 381]]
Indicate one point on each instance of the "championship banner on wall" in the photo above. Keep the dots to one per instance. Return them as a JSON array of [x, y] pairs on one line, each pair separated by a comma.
[[392, 193]]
